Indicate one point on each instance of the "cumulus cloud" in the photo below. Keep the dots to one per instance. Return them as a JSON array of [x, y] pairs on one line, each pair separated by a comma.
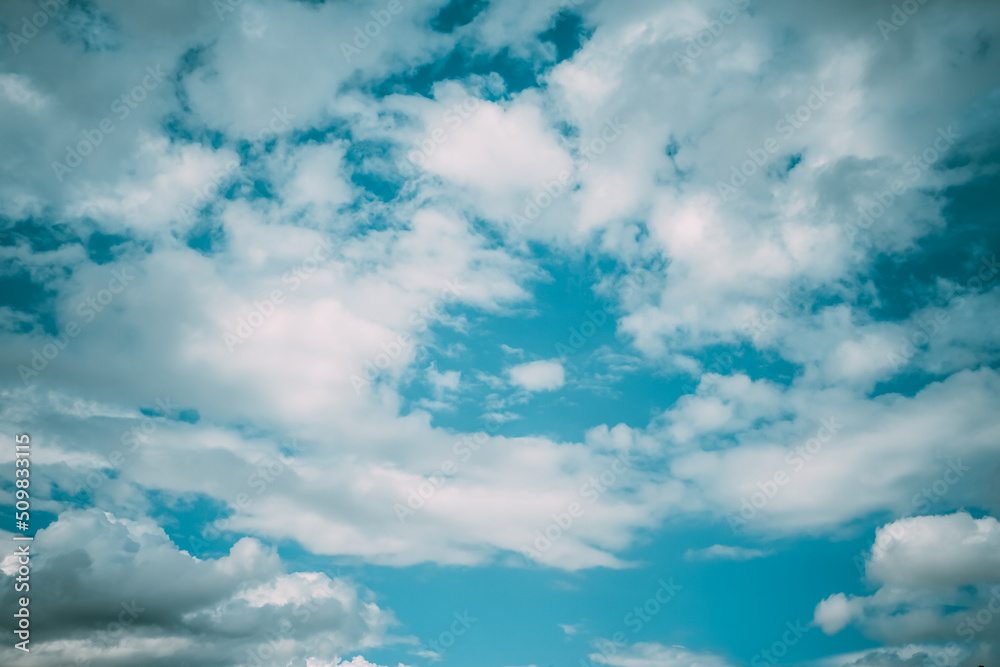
[[937, 578], [834, 613], [103, 571], [538, 375]]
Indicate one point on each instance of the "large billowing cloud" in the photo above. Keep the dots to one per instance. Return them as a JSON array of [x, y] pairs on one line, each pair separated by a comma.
[[936, 592], [937, 578], [116, 591]]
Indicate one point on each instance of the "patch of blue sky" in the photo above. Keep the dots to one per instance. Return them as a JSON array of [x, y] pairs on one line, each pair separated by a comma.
[[544, 330], [181, 128], [187, 519], [39, 235], [375, 168], [780, 169], [606, 380], [909, 383], [567, 34], [952, 252], [742, 605], [106, 248], [456, 14], [39, 519], [333, 129], [186, 415], [517, 74], [21, 293], [207, 238]]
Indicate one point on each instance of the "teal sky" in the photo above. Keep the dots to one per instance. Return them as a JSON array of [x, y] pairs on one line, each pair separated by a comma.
[[502, 333]]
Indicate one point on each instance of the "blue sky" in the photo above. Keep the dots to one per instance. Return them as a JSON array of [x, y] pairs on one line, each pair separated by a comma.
[[502, 333]]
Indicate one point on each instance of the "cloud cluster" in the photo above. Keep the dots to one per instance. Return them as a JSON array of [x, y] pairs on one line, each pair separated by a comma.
[[306, 236], [115, 591], [937, 577]]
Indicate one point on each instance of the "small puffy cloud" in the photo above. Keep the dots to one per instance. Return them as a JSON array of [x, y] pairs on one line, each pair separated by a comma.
[[19, 90], [571, 629], [834, 613], [724, 552], [538, 375], [443, 381]]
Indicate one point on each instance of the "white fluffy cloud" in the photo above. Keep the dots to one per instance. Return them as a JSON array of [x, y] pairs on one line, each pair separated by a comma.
[[499, 151], [834, 613], [538, 375], [800, 470], [937, 578]]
